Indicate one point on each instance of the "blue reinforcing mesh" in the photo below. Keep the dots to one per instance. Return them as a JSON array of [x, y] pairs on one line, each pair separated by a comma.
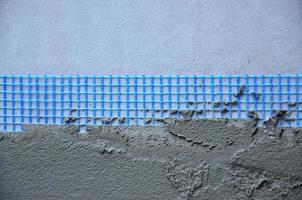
[[144, 100]]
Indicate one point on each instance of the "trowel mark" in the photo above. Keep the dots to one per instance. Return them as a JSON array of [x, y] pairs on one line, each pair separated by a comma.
[[101, 146], [251, 183], [183, 130], [188, 179], [268, 169]]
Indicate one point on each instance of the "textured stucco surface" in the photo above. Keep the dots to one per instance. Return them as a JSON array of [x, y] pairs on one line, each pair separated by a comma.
[[150, 37], [187, 159]]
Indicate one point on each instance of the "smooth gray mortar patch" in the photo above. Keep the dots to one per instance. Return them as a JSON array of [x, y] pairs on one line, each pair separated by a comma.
[[186, 159]]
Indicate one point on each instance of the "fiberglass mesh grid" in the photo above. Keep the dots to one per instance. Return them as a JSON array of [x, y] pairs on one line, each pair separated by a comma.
[[143, 100]]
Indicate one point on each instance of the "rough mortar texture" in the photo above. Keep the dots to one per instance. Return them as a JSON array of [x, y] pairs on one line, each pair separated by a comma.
[[186, 159]]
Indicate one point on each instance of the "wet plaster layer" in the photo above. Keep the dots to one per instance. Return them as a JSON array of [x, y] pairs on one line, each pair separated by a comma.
[[186, 159]]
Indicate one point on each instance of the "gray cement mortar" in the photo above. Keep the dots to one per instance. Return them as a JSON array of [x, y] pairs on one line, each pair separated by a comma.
[[186, 159]]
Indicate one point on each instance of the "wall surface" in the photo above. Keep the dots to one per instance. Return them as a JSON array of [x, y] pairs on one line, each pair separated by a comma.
[[186, 159], [150, 37], [209, 159]]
